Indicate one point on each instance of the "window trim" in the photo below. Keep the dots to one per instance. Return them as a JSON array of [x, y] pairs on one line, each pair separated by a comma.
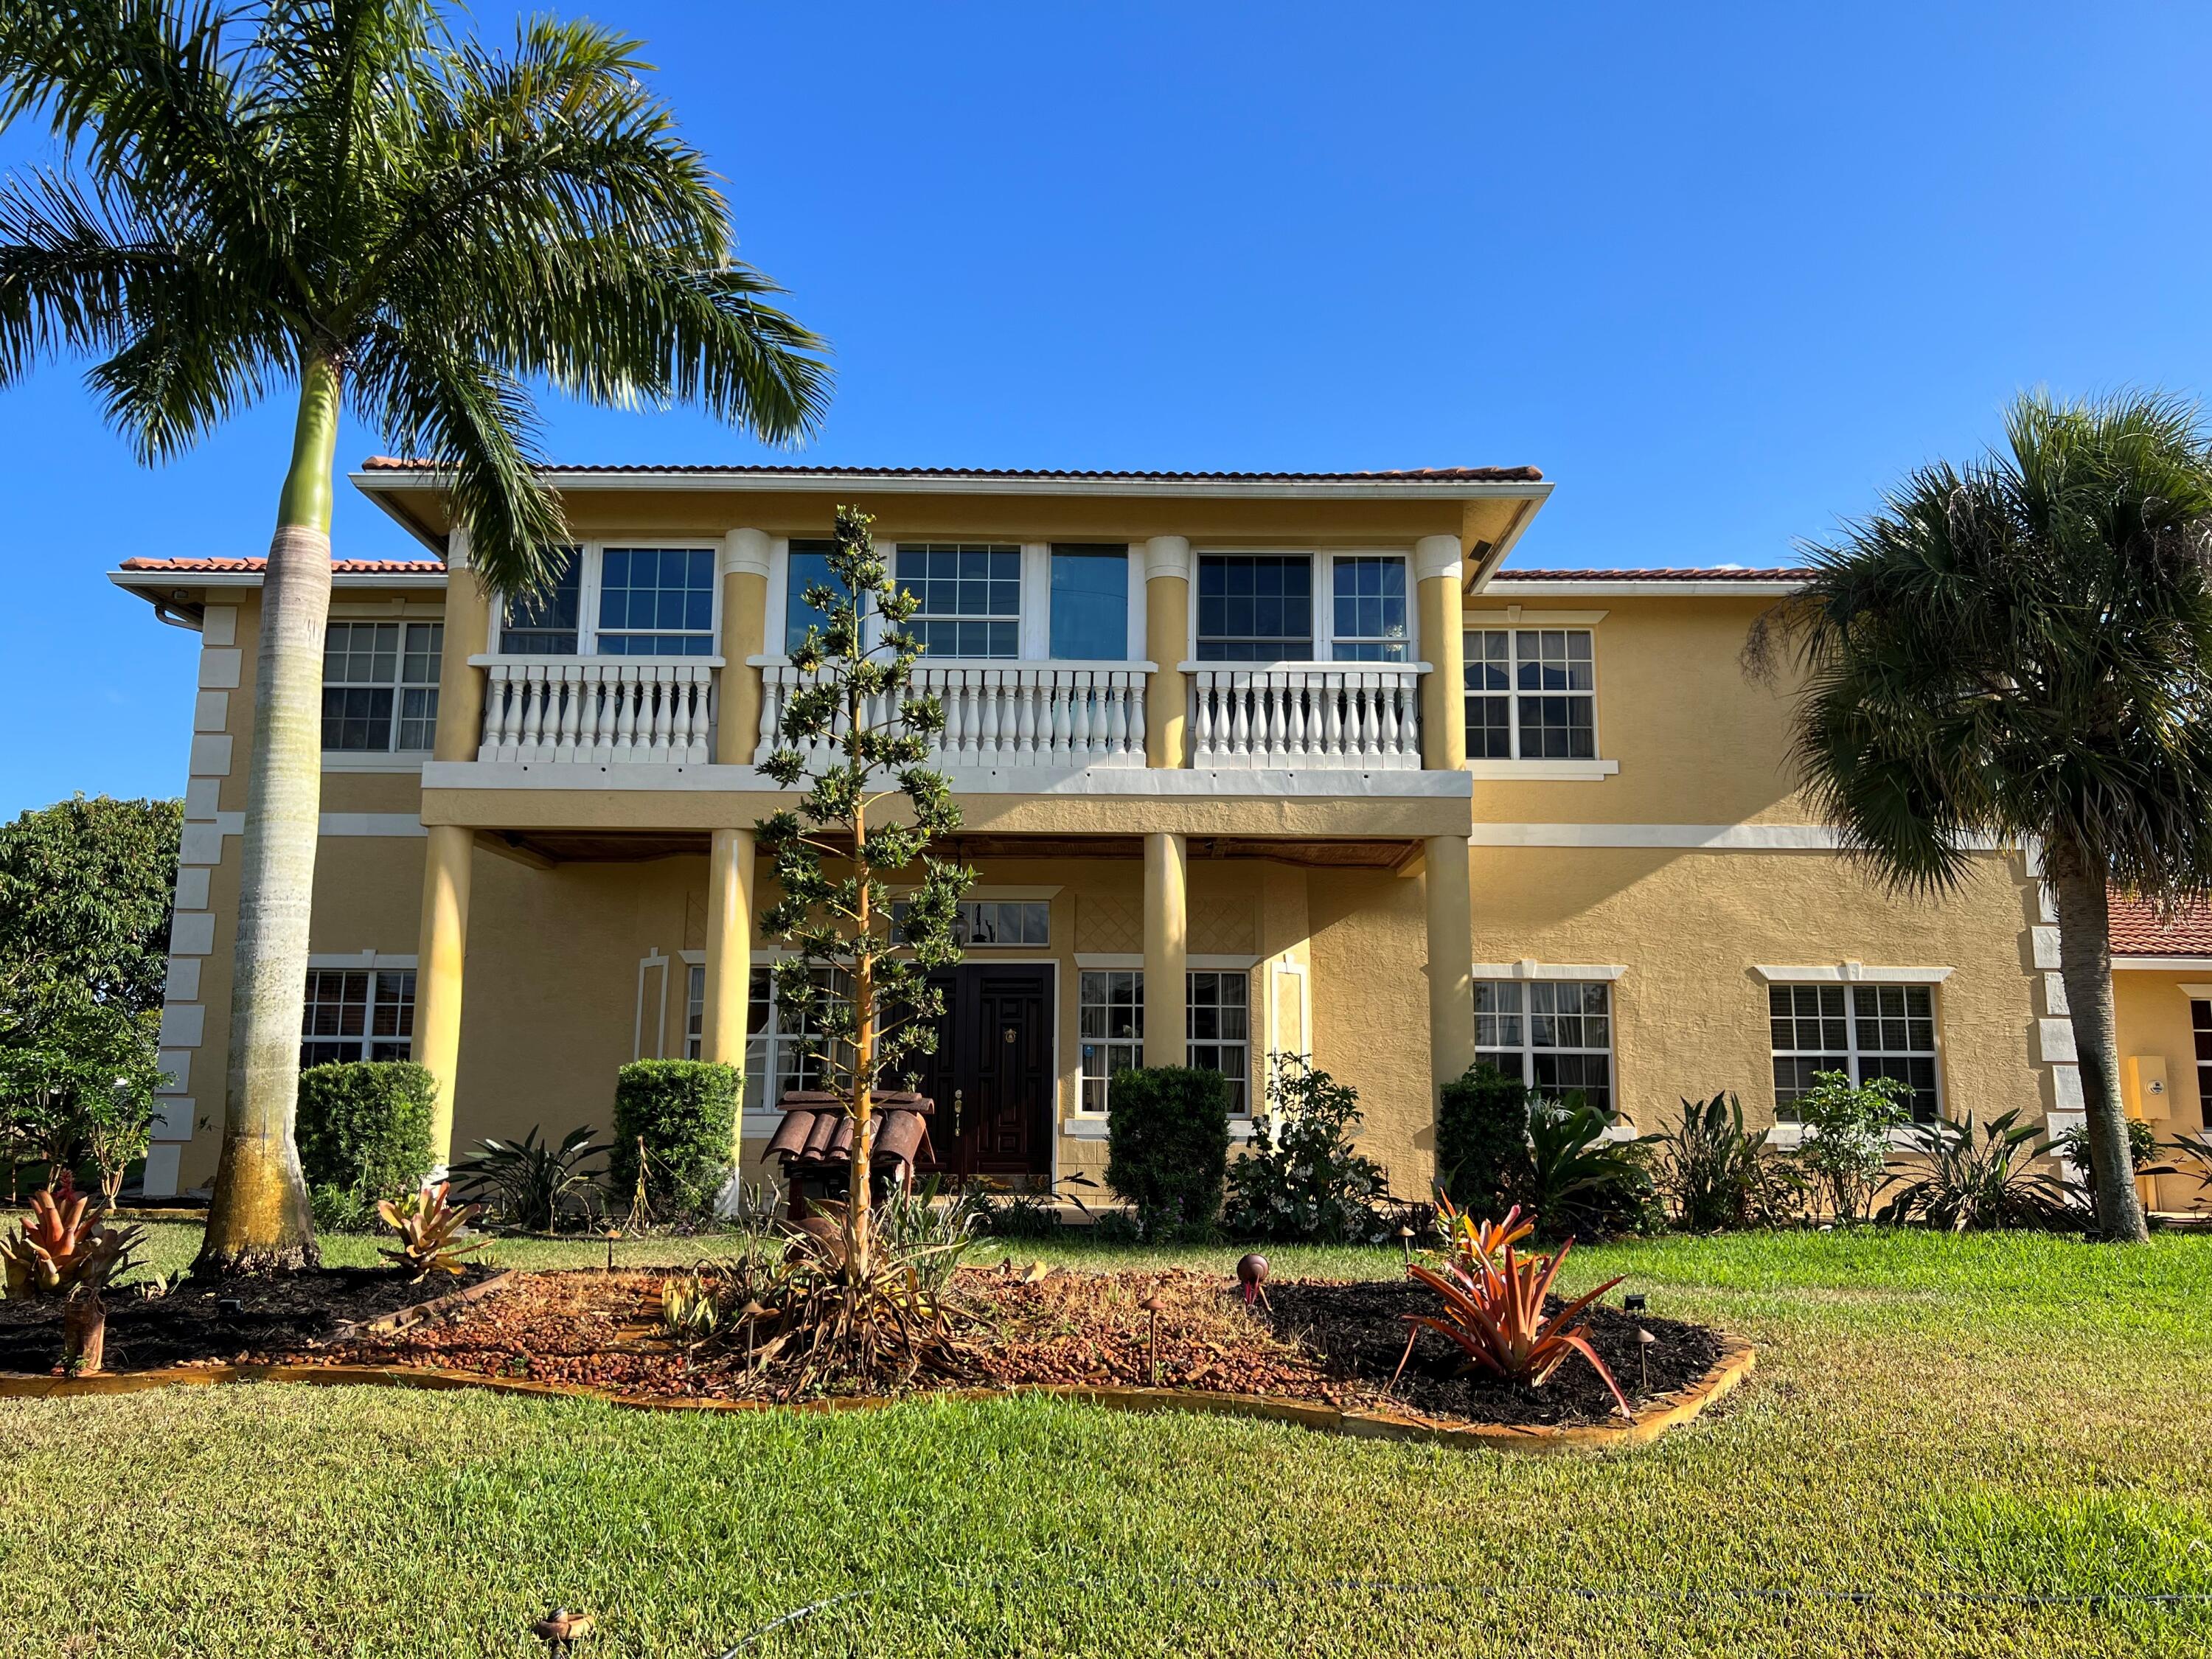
[[1849, 986], [1569, 769], [1323, 561], [375, 966], [1527, 972], [592, 551], [393, 759]]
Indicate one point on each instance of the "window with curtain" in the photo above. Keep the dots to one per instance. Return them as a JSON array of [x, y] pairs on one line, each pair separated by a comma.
[[1369, 608], [1091, 601], [1254, 607], [1556, 1036]]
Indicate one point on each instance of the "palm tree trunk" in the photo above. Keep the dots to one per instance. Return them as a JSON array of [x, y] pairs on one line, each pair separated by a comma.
[[258, 1220], [2085, 961]]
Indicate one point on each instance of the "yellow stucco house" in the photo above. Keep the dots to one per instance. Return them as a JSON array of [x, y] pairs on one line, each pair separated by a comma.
[[1248, 764]]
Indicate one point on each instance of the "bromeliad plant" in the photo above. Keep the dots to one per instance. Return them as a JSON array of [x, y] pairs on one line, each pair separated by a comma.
[[532, 1180], [1493, 1308], [432, 1233], [855, 736], [62, 1254]]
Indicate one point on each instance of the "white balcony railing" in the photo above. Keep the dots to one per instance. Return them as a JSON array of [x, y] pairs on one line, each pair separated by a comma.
[[1042, 714], [599, 709], [1326, 716]]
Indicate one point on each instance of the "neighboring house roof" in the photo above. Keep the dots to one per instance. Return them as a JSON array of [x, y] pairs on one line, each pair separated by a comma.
[[341, 566], [2137, 930], [1411, 475], [1728, 573]]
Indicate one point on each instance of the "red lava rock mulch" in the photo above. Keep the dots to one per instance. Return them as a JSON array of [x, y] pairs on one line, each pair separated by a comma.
[[1321, 1341], [191, 1325]]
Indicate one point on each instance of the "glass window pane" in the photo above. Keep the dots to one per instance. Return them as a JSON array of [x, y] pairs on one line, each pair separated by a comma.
[[546, 626], [1370, 609], [1255, 608], [656, 602], [1090, 602]]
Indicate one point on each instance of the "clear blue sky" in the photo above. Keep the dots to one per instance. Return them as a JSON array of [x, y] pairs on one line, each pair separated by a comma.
[[1721, 272]]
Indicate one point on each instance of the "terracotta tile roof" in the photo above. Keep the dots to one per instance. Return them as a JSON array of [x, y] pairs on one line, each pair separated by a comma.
[[232, 567], [1411, 475], [1666, 574], [2137, 930]]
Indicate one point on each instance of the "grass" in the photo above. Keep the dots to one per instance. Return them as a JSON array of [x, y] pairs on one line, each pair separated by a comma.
[[1978, 1445]]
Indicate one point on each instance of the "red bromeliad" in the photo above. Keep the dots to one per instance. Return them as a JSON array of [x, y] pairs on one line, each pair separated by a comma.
[[1494, 1312]]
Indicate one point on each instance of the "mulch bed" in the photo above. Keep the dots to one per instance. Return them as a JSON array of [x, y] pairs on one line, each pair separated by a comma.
[[1319, 1341], [191, 1325]]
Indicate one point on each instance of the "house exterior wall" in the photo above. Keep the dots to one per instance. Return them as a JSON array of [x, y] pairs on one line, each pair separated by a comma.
[[1680, 861], [2152, 1014]]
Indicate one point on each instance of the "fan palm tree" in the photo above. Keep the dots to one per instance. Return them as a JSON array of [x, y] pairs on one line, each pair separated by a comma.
[[2021, 652], [341, 199]]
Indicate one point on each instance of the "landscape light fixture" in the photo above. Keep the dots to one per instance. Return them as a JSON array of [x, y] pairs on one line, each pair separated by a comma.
[[1635, 1302]]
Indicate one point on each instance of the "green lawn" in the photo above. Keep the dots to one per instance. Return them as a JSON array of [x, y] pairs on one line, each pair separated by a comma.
[[1949, 1444]]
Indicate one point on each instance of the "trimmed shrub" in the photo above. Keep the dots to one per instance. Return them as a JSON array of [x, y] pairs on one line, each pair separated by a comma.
[[365, 1126], [685, 1112], [1482, 1140], [1167, 1147]]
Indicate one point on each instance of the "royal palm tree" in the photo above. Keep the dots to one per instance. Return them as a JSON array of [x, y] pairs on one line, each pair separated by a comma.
[[2020, 652], [343, 200]]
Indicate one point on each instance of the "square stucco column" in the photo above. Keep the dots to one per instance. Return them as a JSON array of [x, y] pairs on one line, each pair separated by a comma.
[[743, 564], [1437, 570], [1167, 950], [1451, 957], [729, 946], [443, 941], [1167, 637]]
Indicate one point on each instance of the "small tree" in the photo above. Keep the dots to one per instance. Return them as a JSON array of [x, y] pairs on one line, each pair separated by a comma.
[[82, 1082], [855, 736], [1846, 1146]]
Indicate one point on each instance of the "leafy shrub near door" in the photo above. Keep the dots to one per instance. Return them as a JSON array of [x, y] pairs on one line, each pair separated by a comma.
[[364, 1128], [1167, 1147], [1310, 1185], [1482, 1140], [683, 1113]]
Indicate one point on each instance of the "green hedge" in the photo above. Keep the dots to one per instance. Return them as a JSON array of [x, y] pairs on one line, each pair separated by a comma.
[[685, 1111], [1167, 1147], [364, 1126], [1482, 1139]]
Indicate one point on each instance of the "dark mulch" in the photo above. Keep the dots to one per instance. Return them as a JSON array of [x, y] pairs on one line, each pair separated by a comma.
[[1358, 1329], [189, 1324]]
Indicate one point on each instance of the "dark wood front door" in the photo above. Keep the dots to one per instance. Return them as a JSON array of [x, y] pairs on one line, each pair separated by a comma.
[[991, 1076]]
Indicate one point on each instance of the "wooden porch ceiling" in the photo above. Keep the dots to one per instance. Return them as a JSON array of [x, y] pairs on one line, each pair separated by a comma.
[[546, 847]]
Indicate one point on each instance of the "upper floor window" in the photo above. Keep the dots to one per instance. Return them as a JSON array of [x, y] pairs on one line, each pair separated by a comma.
[[1556, 1036], [970, 595], [1531, 693], [1090, 602], [809, 569], [380, 686], [1371, 609], [1254, 607], [617, 602], [1862, 1030], [357, 1014]]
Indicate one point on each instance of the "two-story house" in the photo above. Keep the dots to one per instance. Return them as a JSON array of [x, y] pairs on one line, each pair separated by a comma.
[[1247, 763]]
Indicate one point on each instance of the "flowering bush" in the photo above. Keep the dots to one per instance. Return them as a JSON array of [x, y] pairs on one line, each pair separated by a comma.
[[1306, 1183]]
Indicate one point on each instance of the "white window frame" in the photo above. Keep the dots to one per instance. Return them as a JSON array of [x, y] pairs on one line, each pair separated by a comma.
[[1118, 1051], [1780, 979], [378, 969], [1511, 622], [1034, 625], [398, 685], [1026, 615], [1322, 562], [587, 598], [1241, 967], [1522, 978]]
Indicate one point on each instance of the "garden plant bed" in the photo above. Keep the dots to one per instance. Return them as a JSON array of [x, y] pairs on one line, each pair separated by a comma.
[[1324, 1352], [190, 1326]]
